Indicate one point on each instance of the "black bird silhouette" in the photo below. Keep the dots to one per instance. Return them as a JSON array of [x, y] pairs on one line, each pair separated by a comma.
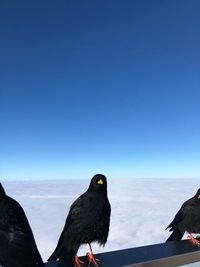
[[187, 219], [17, 244], [88, 221]]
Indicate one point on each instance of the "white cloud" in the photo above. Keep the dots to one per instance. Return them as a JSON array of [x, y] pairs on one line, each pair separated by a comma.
[[141, 209]]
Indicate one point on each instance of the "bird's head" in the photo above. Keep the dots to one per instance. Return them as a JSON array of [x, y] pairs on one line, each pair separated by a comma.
[[2, 191], [98, 183]]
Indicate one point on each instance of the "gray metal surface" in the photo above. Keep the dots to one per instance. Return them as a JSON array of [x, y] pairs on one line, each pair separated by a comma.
[[169, 254]]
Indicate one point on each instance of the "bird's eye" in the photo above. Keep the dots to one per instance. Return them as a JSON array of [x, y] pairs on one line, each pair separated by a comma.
[[100, 181]]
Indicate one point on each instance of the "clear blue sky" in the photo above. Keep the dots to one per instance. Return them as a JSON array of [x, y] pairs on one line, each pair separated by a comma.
[[99, 86]]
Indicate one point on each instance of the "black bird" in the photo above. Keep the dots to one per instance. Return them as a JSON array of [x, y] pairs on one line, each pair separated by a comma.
[[88, 221], [17, 244], [187, 219]]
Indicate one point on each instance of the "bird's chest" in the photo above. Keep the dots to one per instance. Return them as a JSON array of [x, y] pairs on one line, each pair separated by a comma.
[[95, 218]]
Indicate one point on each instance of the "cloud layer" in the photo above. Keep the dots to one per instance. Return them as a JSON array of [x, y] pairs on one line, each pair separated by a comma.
[[141, 209]]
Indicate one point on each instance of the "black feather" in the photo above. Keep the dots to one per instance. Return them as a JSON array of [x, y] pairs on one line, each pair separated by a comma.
[[186, 219], [175, 236], [88, 221], [17, 244]]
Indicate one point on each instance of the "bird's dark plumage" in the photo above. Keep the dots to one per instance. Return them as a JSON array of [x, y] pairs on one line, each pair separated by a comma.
[[186, 219], [88, 221], [17, 244]]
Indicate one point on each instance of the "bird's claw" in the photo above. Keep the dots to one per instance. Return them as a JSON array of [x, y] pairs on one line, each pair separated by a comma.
[[92, 259], [78, 262], [193, 240]]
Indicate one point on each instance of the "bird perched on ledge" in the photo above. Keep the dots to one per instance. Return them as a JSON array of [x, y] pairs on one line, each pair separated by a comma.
[[88, 221], [17, 244], [187, 219]]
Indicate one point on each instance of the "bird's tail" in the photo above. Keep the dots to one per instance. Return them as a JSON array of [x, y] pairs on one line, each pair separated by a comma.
[[63, 256], [175, 236], [56, 255], [58, 250], [40, 262], [62, 253]]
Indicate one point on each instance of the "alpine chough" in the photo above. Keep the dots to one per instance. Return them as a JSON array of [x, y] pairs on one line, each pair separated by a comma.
[[88, 221], [17, 244], [187, 219]]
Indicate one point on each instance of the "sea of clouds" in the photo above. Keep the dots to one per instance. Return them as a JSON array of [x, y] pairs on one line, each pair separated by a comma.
[[141, 209]]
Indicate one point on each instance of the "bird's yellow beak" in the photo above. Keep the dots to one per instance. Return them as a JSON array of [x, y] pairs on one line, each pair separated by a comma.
[[100, 181], [198, 197]]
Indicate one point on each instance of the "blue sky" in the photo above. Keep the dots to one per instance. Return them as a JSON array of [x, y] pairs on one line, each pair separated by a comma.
[[99, 86]]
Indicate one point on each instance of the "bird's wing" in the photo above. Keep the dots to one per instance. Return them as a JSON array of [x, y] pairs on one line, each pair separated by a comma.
[[81, 217], [70, 223], [77, 210], [181, 214], [86, 215]]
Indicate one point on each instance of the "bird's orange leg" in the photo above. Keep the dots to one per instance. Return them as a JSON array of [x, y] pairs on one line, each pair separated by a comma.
[[193, 240], [91, 257], [78, 263]]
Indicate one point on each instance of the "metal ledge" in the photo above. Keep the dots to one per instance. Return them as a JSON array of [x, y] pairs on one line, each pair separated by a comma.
[[170, 254]]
